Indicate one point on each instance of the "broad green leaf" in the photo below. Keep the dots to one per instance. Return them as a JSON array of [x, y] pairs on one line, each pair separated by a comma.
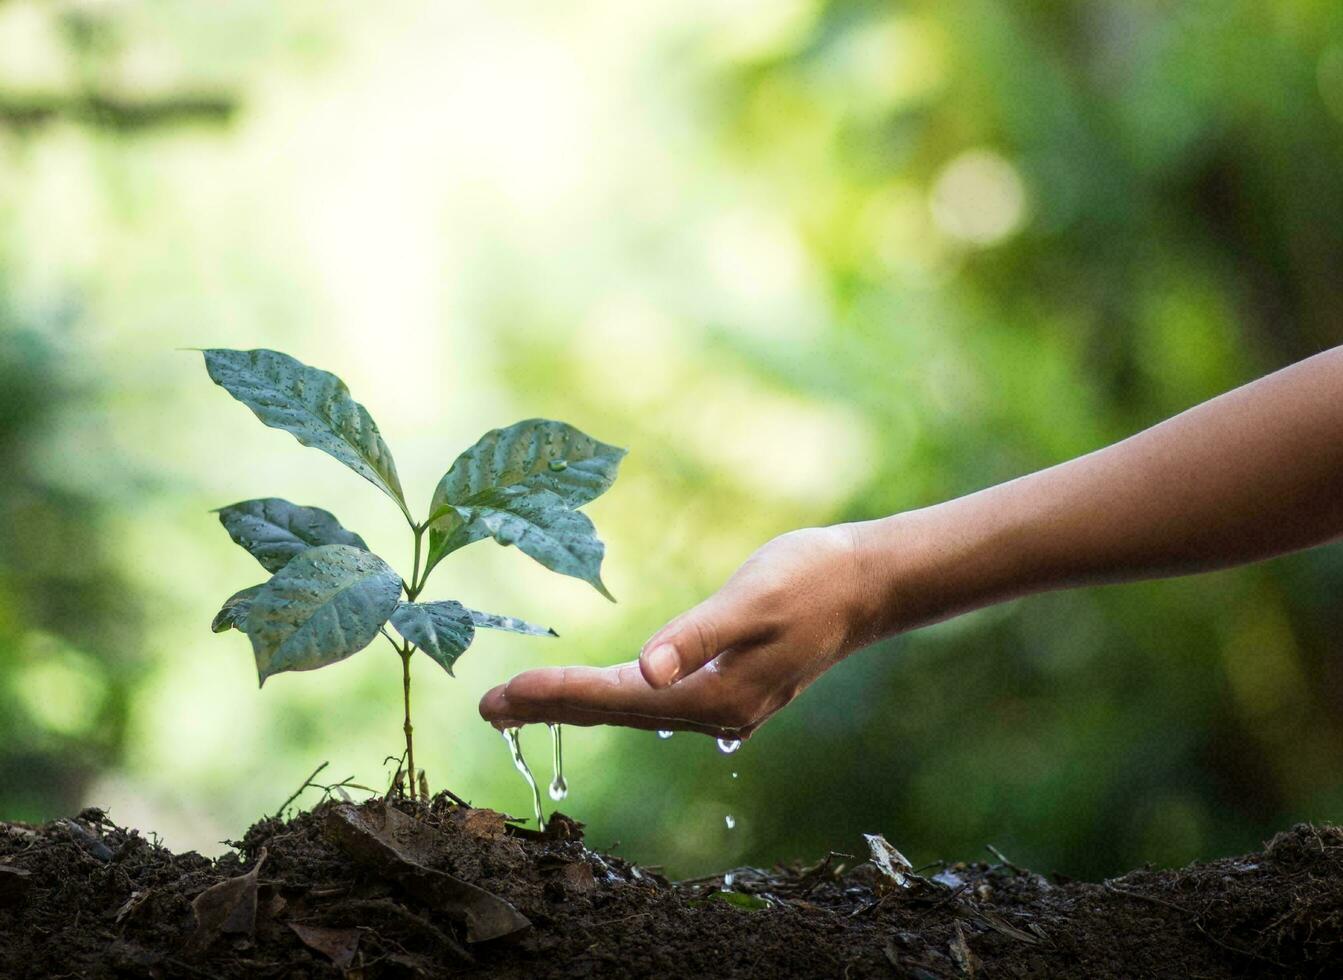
[[535, 454], [538, 522], [325, 605], [233, 613], [313, 406], [509, 623], [441, 629], [273, 530]]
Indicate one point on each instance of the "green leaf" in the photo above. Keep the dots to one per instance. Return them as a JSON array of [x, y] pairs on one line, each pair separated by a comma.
[[313, 406], [538, 522], [233, 613], [273, 530], [441, 629], [535, 454], [325, 605], [509, 623]]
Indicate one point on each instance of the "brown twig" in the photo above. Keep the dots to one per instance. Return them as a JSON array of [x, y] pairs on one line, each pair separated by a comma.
[[1148, 898], [1006, 862], [1237, 950], [1198, 924], [396, 776], [455, 798], [306, 783]]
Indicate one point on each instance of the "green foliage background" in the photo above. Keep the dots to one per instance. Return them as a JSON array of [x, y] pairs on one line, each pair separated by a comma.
[[810, 261]]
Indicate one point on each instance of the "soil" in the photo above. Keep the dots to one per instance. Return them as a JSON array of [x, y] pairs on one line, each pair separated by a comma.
[[395, 889]]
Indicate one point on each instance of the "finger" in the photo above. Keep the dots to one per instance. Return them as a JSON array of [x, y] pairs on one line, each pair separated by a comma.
[[694, 638], [600, 696], [581, 718], [496, 709]]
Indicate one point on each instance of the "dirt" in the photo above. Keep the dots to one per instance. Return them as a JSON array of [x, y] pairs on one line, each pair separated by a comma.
[[395, 889]]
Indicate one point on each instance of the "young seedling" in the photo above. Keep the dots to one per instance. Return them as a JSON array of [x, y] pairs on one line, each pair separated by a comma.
[[328, 596]]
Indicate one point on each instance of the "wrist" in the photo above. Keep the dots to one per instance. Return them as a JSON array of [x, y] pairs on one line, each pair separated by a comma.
[[924, 566]]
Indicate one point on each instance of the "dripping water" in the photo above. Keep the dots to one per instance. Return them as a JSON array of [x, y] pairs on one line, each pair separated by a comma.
[[559, 789], [519, 763], [728, 745], [664, 734]]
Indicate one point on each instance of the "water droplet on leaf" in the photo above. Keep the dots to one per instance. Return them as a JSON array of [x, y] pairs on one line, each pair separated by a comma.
[[558, 465], [728, 745]]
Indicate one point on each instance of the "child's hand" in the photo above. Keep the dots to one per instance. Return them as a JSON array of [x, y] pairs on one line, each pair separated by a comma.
[[791, 611]]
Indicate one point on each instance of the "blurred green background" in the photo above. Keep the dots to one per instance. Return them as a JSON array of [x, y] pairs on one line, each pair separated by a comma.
[[809, 261]]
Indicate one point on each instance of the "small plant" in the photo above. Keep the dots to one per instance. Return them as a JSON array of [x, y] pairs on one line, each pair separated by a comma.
[[328, 596]]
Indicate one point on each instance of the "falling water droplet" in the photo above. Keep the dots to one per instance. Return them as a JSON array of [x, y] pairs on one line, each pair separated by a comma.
[[558, 465], [734, 775], [728, 745], [559, 789], [519, 763], [731, 821], [664, 734]]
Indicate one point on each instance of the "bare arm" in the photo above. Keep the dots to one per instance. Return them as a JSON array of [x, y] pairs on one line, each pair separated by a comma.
[[1253, 473]]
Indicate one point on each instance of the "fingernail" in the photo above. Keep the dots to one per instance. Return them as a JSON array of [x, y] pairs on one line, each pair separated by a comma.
[[665, 664]]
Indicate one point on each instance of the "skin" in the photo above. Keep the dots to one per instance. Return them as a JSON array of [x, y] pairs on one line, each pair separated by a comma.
[[1251, 474]]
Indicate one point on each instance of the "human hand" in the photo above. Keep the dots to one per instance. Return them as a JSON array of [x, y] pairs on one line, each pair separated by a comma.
[[795, 608]]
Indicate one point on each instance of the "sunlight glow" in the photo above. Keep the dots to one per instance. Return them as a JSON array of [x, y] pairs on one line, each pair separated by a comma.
[[978, 198]]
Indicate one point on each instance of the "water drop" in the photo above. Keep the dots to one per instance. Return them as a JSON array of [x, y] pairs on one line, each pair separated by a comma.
[[519, 763], [734, 775], [728, 745], [729, 878], [664, 734], [731, 821], [558, 465], [559, 789]]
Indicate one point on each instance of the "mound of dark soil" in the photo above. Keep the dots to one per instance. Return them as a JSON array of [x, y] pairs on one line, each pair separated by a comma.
[[397, 890]]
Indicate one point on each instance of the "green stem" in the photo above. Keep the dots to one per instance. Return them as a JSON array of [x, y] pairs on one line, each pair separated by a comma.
[[416, 584], [413, 588], [406, 651]]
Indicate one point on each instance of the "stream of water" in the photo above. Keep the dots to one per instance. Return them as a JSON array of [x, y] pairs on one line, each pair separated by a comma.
[[559, 789], [519, 763]]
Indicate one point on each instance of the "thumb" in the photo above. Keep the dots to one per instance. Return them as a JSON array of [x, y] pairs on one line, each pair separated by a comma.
[[694, 638]]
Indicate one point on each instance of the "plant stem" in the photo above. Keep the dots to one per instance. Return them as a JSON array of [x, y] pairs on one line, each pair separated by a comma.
[[413, 589], [409, 729]]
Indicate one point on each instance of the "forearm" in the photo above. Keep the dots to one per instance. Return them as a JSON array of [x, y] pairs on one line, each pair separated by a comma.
[[1253, 473]]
